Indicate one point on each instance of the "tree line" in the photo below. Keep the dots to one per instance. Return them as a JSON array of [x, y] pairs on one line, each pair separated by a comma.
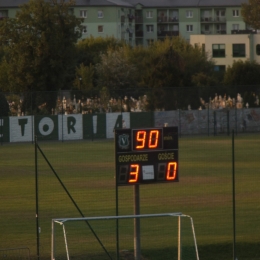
[[41, 52]]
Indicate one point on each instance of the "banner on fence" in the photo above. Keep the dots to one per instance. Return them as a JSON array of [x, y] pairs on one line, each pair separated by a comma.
[[95, 126]]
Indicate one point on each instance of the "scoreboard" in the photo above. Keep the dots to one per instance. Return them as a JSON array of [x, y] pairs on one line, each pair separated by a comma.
[[147, 155]]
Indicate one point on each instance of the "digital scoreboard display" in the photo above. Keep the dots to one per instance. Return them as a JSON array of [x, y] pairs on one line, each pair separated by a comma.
[[145, 156]]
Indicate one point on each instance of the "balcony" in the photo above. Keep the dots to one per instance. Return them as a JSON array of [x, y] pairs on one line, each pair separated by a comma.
[[138, 19], [167, 33], [3, 17], [139, 34], [206, 19], [243, 31], [218, 19], [3, 14], [221, 32], [162, 19], [206, 32], [166, 19], [130, 17]]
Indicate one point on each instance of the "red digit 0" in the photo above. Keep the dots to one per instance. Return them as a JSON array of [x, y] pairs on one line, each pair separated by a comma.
[[134, 172], [171, 171], [153, 139], [141, 135]]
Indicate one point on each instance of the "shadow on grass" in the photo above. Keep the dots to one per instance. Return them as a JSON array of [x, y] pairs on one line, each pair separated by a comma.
[[244, 251]]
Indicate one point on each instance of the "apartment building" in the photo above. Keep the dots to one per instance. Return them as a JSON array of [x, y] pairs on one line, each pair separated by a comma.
[[142, 21], [225, 49], [212, 24]]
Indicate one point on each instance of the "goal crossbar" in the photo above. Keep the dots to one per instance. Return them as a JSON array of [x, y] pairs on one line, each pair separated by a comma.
[[61, 221]]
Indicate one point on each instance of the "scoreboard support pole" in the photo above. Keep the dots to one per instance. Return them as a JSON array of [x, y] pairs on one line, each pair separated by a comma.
[[137, 241]]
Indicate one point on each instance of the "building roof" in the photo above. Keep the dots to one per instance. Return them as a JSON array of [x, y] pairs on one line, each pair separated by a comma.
[[226, 3], [186, 3], [102, 3], [17, 3], [144, 3]]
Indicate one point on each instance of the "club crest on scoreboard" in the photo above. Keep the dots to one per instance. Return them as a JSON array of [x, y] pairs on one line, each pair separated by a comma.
[[123, 141]]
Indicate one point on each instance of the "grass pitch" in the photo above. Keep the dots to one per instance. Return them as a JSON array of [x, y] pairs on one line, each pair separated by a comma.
[[87, 170]]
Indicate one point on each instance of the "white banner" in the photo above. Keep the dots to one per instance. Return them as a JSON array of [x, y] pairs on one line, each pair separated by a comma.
[[112, 122], [70, 127], [21, 129]]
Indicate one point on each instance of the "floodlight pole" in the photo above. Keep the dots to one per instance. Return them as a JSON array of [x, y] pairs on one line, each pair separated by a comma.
[[137, 244]]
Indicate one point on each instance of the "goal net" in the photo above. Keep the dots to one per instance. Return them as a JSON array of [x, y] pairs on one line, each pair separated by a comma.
[[160, 236]]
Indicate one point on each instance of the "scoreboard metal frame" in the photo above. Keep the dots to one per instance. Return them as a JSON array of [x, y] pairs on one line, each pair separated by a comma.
[[146, 155]]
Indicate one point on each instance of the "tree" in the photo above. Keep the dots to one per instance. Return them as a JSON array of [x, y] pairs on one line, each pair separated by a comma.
[[4, 80], [115, 71], [40, 46], [157, 70], [244, 78], [168, 67], [4, 107], [89, 52], [165, 65], [243, 73], [89, 49], [84, 77], [250, 12]]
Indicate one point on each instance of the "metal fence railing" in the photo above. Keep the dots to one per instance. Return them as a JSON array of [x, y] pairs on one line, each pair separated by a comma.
[[74, 115], [85, 164]]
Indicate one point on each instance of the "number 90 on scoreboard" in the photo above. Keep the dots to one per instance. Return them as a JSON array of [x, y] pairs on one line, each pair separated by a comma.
[[145, 156]]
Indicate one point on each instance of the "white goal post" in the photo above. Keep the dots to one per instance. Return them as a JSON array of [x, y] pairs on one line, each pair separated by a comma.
[[62, 221]]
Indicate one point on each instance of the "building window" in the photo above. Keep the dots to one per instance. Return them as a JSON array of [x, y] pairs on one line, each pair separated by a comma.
[[174, 16], [100, 14], [235, 26], [220, 15], [239, 50], [218, 50], [175, 28], [189, 14], [85, 29], [203, 48], [235, 13], [100, 28], [258, 49], [221, 28], [220, 68], [149, 14], [3, 14], [206, 15], [150, 41], [207, 28], [83, 13], [189, 28], [149, 28]]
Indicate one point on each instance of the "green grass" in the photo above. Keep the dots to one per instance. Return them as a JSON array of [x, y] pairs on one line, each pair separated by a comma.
[[87, 170]]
